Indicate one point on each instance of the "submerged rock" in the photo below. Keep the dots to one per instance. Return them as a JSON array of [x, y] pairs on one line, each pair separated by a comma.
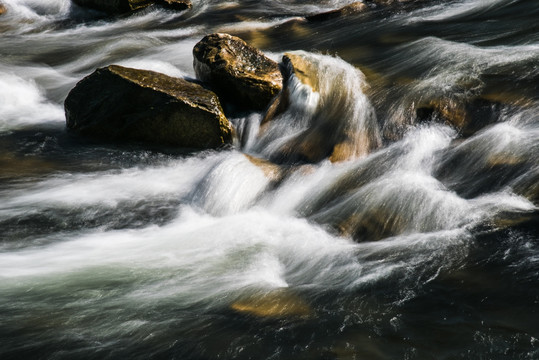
[[124, 6], [352, 9], [467, 116], [118, 103], [237, 71], [272, 171], [330, 115], [275, 304]]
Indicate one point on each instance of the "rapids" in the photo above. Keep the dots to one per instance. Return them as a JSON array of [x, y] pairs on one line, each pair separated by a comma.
[[422, 246]]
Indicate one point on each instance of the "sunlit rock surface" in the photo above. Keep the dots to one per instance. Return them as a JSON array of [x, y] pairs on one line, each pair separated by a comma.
[[118, 103], [322, 110], [237, 71]]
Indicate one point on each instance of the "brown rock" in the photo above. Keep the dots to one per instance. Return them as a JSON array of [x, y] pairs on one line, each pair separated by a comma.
[[330, 134], [237, 71], [275, 304], [3, 9], [271, 171], [468, 116], [352, 9], [118, 103]]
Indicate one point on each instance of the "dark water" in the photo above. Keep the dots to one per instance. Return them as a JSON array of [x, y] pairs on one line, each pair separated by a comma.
[[427, 248]]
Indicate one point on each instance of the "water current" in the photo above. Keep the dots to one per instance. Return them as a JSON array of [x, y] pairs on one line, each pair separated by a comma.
[[424, 246]]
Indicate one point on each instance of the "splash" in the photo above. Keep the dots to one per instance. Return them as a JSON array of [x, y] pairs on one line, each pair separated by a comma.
[[327, 113]]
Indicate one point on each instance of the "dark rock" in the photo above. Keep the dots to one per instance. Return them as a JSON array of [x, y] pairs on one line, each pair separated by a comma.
[[237, 71], [118, 103], [352, 9]]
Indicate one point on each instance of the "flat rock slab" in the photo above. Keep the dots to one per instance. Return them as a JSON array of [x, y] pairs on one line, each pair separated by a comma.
[[119, 103], [237, 71]]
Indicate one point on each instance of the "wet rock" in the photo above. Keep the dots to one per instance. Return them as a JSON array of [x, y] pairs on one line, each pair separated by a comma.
[[467, 116], [175, 4], [3, 9], [124, 6], [118, 103], [372, 225], [331, 103], [272, 171], [275, 304], [352, 9], [13, 166], [237, 71]]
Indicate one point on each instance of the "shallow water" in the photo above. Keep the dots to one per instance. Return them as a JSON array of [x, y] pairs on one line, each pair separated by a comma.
[[426, 248]]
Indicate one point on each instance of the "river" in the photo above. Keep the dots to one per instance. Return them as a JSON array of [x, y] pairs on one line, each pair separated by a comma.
[[426, 248]]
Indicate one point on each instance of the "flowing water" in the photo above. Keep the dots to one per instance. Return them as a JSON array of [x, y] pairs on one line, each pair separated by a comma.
[[425, 248]]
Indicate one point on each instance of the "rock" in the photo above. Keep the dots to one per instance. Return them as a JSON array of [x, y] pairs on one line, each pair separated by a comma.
[[237, 71], [275, 304], [271, 171], [13, 166], [372, 225], [3, 9], [352, 9], [124, 6], [468, 116], [118, 103], [325, 93], [175, 4]]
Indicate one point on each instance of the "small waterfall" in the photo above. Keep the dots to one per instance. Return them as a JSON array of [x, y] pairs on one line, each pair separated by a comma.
[[328, 113]]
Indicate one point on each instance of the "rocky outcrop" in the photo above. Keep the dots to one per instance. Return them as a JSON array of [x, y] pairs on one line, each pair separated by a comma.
[[237, 71], [352, 9], [124, 6], [118, 103]]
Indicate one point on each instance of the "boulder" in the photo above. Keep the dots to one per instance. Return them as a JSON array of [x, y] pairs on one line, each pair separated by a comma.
[[352, 9], [119, 103], [237, 71], [3, 9], [124, 6]]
